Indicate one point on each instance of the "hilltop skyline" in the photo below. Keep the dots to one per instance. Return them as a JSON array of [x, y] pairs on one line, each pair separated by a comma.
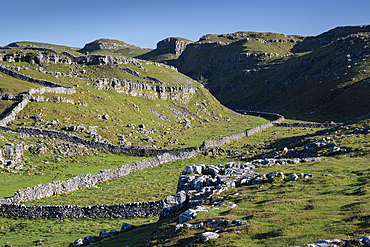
[[144, 23]]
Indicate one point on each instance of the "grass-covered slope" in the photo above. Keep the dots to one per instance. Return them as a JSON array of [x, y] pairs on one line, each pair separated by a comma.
[[57, 48], [281, 212], [113, 47], [106, 113], [110, 115], [319, 78]]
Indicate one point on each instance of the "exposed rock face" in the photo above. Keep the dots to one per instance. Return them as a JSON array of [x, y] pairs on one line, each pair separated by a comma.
[[231, 68], [173, 204], [176, 45]]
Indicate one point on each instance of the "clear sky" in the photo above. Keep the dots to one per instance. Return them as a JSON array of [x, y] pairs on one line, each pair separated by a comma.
[[145, 22]]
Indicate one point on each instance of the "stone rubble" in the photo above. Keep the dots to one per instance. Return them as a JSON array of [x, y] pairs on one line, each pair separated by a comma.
[[362, 241], [200, 182], [91, 238]]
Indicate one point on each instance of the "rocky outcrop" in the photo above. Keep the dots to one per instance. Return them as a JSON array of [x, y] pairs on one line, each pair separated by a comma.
[[91, 239], [174, 45], [103, 45], [67, 58], [30, 47], [156, 89], [362, 241]]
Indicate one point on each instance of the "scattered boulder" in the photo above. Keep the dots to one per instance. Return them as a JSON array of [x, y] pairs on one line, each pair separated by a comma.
[[187, 216], [106, 116], [293, 177], [206, 236], [127, 227], [78, 241]]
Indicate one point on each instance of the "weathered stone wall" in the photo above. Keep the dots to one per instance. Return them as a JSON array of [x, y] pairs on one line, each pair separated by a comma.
[[7, 70], [60, 187], [168, 206], [217, 143], [12, 114], [25, 98], [60, 89], [220, 142], [262, 114], [308, 125], [99, 145], [127, 210]]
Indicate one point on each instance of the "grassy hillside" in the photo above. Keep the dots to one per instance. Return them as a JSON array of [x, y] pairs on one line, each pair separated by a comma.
[[281, 213], [57, 48], [130, 121], [114, 47], [312, 78], [320, 78]]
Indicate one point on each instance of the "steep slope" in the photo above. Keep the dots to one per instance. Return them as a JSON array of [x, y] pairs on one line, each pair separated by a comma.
[[65, 118], [306, 77]]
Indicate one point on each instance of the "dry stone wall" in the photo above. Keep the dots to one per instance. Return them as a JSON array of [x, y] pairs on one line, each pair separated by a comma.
[[8, 70], [220, 142], [164, 155], [127, 210], [12, 114], [60, 90], [308, 125], [60, 187], [99, 145]]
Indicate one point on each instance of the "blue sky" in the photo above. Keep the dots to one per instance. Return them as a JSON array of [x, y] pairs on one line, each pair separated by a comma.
[[145, 22]]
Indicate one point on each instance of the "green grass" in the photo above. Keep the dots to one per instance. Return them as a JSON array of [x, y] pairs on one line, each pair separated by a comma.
[[126, 50], [54, 232], [47, 169], [57, 48], [242, 35], [14, 86], [286, 213], [120, 108], [146, 185], [278, 213], [5, 106]]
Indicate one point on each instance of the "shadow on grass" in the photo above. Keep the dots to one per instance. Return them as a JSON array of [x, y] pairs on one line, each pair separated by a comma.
[[350, 206], [364, 222], [271, 234], [249, 217]]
